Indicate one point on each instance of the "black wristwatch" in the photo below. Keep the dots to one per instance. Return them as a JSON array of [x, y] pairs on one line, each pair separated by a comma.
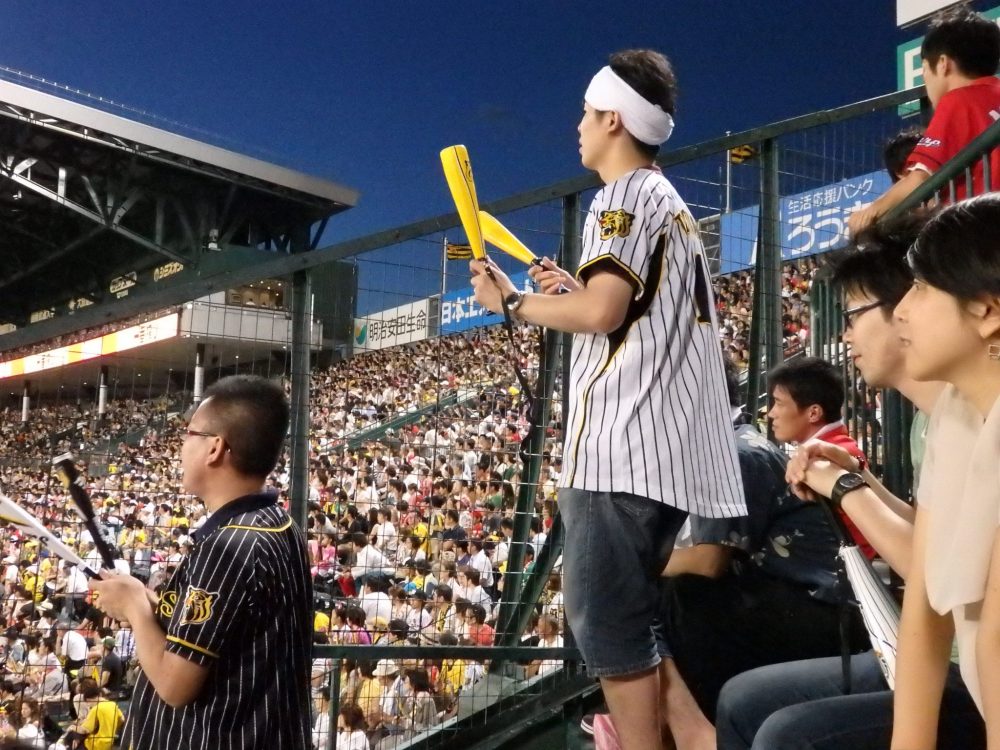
[[514, 300], [846, 483]]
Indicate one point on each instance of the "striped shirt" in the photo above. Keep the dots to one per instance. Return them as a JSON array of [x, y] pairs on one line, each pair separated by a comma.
[[649, 412], [240, 604]]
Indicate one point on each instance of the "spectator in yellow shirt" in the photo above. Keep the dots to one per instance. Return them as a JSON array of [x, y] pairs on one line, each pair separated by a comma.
[[103, 720]]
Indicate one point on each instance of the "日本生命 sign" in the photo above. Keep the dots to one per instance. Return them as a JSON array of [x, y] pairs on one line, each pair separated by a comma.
[[460, 311]]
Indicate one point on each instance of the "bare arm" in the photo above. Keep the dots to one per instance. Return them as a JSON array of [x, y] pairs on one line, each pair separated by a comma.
[[900, 507], [709, 560], [886, 531], [600, 306], [988, 649], [176, 680], [881, 516], [887, 201], [925, 639]]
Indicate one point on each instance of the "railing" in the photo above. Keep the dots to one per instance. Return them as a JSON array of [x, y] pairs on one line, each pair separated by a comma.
[[880, 420], [403, 266], [795, 155]]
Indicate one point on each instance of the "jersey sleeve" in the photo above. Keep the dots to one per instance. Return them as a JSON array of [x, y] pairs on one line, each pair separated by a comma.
[[762, 487], [622, 228], [214, 598], [945, 135]]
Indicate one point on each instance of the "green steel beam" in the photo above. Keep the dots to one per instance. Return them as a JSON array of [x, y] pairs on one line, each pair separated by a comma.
[[471, 653], [214, 273], [515, 617], [300, 421], [982, 144], [513, 580], [769, 253]]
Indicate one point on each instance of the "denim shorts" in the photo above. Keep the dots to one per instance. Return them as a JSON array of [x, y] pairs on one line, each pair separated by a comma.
[[616, 547]]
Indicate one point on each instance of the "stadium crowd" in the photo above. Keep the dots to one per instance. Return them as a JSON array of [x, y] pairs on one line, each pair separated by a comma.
[[409, 526]]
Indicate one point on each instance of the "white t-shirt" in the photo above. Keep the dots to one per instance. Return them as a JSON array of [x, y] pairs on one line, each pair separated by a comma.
[[76, 581], [482, 563], [321, 732], [74, 646], [386, 537], [418, 620], [376, 604]]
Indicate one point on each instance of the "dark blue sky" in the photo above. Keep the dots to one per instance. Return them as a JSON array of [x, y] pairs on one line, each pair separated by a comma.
[[366, 93]]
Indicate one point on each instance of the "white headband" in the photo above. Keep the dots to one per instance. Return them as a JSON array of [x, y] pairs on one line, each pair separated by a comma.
[[643, 119]]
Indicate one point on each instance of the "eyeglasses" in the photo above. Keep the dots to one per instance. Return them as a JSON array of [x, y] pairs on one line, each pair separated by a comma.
[[199, 433], [850, 316]]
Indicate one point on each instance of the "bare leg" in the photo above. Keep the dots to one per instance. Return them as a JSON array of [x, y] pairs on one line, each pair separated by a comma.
[[685, 721], [668, 737], [635, 711]]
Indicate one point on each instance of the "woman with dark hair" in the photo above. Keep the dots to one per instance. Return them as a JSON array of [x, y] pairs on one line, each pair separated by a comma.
[[30, 722], [356, 623], [419, 706], [351, 728], [950, 328]]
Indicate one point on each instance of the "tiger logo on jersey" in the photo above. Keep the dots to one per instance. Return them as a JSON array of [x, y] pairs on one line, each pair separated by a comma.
[[615, 223], [198, 606]]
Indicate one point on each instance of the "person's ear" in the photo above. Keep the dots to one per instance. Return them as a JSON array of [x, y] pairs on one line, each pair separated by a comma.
[[985, 312], [815, 414], [613, 122]]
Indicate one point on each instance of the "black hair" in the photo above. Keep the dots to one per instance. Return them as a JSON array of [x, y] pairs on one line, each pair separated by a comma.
[[419, 680], [875, 263], [356, 616], [478, 612], [398, 629], [969, 231], [650, 74], [965, 36], [359, 538], [251, 414], [898, 149], [810, 380], [354, 716], [471, 574], [89, 689]]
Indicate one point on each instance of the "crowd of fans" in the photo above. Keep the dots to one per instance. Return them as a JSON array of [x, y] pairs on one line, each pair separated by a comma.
[[409, 531], [734, 300]]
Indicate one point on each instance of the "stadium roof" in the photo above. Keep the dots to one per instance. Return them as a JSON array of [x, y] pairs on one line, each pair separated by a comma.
[[95, 206]]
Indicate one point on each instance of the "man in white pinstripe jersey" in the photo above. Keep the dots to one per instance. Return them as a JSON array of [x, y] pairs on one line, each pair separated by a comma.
[[224, 650], [648, 436]]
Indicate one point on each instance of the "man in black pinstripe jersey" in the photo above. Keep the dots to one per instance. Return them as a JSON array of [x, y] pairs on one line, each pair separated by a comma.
[[224, 651]]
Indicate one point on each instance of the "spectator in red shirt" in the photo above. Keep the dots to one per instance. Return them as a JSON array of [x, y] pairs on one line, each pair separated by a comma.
[[961, 54], [480, 633], [807, 394]]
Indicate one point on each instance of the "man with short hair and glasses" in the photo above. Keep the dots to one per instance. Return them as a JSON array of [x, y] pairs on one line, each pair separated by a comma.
[[225, 650]]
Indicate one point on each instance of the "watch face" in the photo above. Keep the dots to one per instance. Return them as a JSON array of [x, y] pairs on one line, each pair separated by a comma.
[[852, 481]]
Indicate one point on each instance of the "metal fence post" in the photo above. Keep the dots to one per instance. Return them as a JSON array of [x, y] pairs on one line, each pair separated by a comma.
[[299, 427]]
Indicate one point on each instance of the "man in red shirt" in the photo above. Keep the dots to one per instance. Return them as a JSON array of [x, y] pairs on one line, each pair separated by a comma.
[[961, 54], [807, 394]]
